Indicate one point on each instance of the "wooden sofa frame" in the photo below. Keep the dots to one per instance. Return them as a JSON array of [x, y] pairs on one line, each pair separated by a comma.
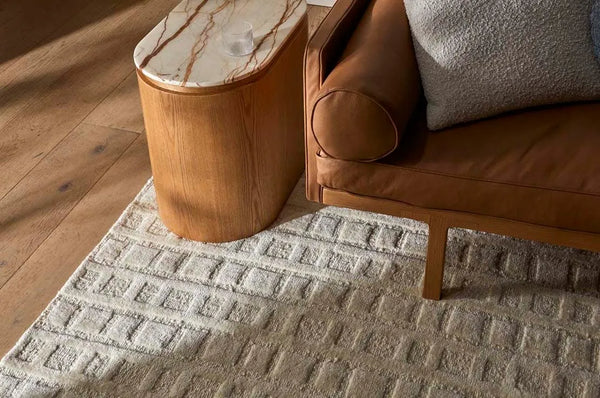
[[440, 221]]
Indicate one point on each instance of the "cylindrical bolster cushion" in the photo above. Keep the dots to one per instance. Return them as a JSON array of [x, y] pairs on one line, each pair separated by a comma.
[[350, 125], [367, 99]]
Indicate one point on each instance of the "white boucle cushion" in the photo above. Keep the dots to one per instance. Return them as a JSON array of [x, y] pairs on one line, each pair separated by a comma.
[[480, 58]]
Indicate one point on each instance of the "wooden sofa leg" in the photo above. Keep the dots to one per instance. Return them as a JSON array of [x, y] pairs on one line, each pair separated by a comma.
[[436, 252]]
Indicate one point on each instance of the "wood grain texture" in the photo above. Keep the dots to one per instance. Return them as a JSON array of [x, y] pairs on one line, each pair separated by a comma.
[[436, 253], [41, 200], [64, 88], [225, 163], [33, 22], [440, 220], [38, 72], [121, 109], [28, 292]]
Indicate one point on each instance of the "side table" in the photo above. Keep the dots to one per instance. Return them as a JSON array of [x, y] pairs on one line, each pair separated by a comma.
[[225, 133]]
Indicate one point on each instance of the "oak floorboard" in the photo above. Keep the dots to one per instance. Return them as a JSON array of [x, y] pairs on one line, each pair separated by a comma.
[[26, 24], [121, 109], [83, 81], [40, 201], [30, 75], [32, 287]]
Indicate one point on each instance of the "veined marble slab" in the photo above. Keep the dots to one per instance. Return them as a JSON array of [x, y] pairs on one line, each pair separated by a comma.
[[185, 49], [322, 3]]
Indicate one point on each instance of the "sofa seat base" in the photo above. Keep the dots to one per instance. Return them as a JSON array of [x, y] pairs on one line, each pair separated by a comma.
[[539, 167]]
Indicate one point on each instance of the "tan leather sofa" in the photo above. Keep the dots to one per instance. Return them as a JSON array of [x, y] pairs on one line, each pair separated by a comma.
[[533, 174]]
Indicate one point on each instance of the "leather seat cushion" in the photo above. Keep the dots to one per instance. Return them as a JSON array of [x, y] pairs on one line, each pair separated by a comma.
[[367, 100], [540, 166]]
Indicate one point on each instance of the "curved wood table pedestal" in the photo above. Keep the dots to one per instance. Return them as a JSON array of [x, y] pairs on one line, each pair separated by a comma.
[[226, 158]]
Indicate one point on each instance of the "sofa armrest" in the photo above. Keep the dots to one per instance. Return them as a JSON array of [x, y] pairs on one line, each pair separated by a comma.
[[368, 98], [322, 53]]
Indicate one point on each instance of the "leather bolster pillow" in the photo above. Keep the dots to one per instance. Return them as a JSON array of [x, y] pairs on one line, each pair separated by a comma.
[[366, 101]]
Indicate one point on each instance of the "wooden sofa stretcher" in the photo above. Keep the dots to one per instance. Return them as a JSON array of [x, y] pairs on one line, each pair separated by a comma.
[[440, 221]]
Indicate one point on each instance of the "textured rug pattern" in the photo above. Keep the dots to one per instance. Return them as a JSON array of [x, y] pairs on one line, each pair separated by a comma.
[[323, 304]]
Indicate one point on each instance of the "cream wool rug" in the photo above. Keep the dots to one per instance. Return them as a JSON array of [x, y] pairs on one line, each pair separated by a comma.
[[324, 304]]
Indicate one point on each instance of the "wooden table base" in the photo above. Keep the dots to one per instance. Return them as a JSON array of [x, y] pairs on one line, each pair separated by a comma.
[[226, 158]]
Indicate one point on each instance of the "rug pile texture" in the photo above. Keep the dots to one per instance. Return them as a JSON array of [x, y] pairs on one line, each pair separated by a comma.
[[324, 303]]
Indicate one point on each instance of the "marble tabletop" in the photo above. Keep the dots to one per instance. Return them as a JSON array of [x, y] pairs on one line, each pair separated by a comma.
[[185, 49]]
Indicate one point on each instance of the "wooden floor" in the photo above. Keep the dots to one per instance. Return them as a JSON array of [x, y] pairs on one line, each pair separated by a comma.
[[72, 146]]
